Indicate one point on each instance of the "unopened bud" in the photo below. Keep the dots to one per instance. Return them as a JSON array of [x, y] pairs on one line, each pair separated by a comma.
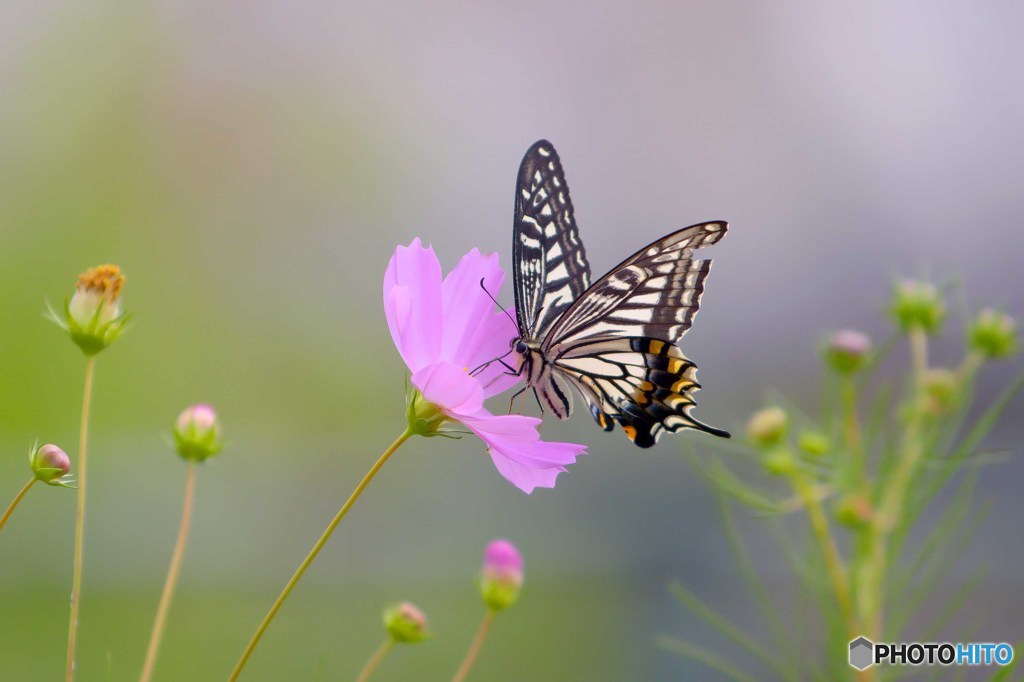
[[197, 433], [847, 351], [502, 577], [918, 305], [405, 623], [813, 443], [767, 427], [779, 462], [993, 334], [941, 387], [50, 464], [853, 511]]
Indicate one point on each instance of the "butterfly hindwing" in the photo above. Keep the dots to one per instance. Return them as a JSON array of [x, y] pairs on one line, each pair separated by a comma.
[[550, 264], [644, 384]]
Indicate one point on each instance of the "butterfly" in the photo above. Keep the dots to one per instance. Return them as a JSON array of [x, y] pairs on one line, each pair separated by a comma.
[[615, 342]]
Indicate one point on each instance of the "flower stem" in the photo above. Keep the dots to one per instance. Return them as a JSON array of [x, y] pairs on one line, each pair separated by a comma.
[[76, 579], [890, 507], [851, 429], [375, 660], [313, 552], [833, 560], [172, 576], [15, 501], [474, 649]]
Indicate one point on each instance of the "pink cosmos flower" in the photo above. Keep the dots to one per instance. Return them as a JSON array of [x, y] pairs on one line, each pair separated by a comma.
[[443, 329]]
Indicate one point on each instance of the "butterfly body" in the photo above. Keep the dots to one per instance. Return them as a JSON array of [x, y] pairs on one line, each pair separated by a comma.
[[613, 342]]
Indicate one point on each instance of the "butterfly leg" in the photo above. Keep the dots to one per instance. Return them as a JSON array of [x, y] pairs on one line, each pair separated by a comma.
[[512, 401]]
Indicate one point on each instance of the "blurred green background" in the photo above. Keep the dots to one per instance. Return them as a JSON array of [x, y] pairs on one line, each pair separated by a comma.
[[252, 166]]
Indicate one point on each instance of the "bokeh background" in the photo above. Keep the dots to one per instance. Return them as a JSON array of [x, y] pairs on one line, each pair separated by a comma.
[[251, 166]]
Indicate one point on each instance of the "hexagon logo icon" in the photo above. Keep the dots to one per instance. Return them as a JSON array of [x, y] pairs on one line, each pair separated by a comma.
[[861, 650]]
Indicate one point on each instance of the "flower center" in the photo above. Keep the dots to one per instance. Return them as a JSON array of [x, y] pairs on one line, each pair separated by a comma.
[[104, 280]]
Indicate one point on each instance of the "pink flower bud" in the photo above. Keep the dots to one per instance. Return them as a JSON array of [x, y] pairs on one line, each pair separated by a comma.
[[50, 463], [502, 576], [197, 433], [847, 351], [406, 623]]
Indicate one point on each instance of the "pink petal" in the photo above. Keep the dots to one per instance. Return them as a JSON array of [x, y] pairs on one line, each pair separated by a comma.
[[412, 303], [523, 477], [474, 332], [518, 452], [450, 388], [493, 342]]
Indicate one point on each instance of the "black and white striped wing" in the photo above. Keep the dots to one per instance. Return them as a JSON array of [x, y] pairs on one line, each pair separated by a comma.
[[617, 343], [550, 264], [655, 293]]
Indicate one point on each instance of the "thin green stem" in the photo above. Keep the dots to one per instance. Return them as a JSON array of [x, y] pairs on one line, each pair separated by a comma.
[[872, 590], [837, 573], [474, 649], [172, 576], [76, 579], [15, 501], [313, 553], [852, 431], [378, 656]]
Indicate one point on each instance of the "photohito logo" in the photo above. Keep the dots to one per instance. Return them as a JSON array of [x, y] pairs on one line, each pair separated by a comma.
[[864, 653]]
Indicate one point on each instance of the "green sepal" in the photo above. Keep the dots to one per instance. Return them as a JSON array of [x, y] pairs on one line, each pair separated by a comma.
[[93, 336], [499, 594], [192, 446]]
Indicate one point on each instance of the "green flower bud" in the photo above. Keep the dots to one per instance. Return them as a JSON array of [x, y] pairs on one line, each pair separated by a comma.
[[767, 427], [847, 351], [197, 433], [942, 388], [918, 305], [405, 623], [813, 443], [502, 577], [993, 334], [779, 462], [853, 511], [50, 465], [92, 316]]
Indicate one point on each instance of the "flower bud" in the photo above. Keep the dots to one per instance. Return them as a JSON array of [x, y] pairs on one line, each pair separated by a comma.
[[502, 577], [93, 317], [405, 623], [767, 427], [197, 433], [941, 388], [847, 351], [50, 464], [993, 334], [779, 462], [918, 305], [814, 443], [853, 511]]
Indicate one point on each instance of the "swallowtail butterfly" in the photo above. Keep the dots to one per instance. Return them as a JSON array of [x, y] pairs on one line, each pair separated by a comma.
[[615, 341]]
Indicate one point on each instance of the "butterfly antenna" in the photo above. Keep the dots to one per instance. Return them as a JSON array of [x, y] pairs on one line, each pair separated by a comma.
[[507, 314]]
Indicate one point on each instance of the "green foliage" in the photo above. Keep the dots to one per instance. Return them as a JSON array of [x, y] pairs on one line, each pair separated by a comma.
[[863, 484]]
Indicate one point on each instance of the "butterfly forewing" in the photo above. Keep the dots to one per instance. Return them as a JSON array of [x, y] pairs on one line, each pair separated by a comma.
[[654, 293], [551, 268]]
